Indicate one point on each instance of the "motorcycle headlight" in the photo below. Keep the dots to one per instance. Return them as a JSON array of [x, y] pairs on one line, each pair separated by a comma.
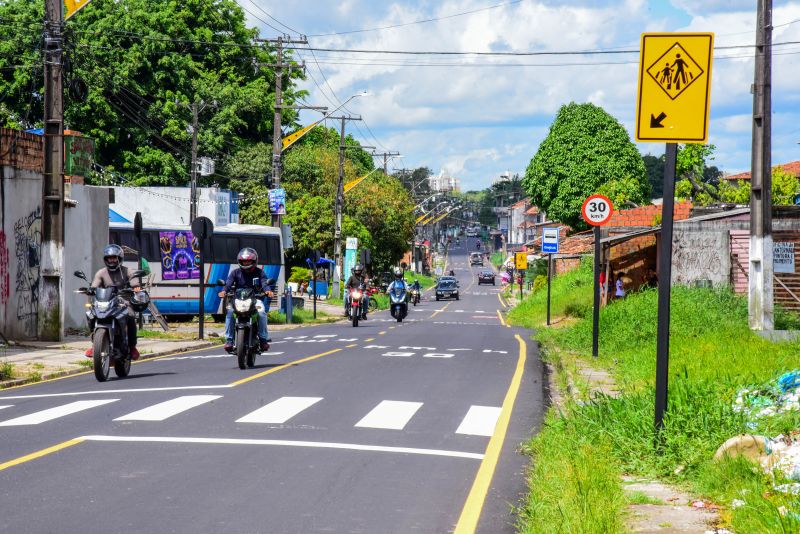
[[102, 306], [242, 305], [356, 295]]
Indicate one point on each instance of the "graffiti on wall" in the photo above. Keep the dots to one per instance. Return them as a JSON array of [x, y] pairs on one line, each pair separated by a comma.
[[5, 271], [700, 255], [27, 242]]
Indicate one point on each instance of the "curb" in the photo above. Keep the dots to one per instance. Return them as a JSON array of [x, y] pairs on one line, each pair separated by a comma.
[[15, 382]]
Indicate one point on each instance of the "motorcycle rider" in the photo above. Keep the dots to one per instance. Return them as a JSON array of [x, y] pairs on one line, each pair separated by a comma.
[[354, 282], [398, 280], [249, 274], [114, 274]]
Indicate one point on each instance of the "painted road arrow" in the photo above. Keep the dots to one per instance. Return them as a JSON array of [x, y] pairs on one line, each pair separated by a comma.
[[655, 122]]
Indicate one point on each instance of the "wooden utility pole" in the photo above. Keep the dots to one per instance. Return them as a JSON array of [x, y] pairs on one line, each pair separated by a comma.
[[338, 209], [761, 259], [51, 286], [386, 156]]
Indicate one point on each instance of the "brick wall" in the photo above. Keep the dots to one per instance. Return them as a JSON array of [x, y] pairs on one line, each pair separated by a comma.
[[21, 150], [648, 215]]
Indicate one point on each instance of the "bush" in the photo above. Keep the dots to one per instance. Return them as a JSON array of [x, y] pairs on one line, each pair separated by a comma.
[[300, 274]]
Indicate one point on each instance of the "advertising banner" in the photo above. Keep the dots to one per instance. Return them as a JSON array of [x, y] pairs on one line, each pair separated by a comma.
[[78, 155], [277, 201], [783, 257], [180, 256]]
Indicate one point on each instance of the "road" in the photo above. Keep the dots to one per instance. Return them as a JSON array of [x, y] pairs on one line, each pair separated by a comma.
[[387, 427]]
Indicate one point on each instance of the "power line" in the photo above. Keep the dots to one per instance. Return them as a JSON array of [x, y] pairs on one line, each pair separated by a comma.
[[423, 21], [273, 18]]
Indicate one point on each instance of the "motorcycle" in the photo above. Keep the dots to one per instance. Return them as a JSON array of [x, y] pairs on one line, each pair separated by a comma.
[[356, 304], [398, 302], [415, 296], [107, 315], [246, 303]]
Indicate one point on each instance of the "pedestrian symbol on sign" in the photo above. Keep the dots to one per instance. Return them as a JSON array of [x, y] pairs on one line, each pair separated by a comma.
[[675, 71]]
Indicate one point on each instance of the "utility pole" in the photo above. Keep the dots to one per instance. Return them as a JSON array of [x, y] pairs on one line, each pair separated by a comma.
[[193, 189], [386, 156], [338, 209], [196, 108], [761, 259], [51, 303], [277, 142]]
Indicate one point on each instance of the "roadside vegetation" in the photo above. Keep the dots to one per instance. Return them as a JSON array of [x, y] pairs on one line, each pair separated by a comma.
[[584, 448]]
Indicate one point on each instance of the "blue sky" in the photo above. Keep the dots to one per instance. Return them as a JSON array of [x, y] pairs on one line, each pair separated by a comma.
[[477, 117]]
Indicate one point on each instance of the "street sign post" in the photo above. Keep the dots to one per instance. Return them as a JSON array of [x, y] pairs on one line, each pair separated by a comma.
[[521, 260], [596, 211], [202, 229], [549, 247], [674, 87], [672, 107]]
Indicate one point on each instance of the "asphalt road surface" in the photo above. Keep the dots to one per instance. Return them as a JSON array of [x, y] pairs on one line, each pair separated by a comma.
[[388, 427]]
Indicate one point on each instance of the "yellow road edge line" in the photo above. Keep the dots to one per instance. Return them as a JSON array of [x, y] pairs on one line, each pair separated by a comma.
[[501, 300], [281, 368], [39, 454], [381, 333], [471, 513], [83, 373], [437, 312], [500, 316]]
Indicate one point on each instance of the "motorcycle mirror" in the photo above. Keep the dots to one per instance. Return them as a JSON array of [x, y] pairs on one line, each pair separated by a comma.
[[80, 274], [404, 266], [271, 281], [138, 274], [220, 282]]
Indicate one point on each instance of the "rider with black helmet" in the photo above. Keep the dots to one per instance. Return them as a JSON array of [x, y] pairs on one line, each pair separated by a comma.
[[354, 282], [249, 274], [114, 274]]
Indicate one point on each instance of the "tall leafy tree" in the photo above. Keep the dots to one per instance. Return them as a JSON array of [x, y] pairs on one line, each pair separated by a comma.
[[144, 61], [585, 148]]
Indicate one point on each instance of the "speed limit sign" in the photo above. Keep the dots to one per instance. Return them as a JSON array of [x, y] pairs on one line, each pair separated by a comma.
[[597, 210]]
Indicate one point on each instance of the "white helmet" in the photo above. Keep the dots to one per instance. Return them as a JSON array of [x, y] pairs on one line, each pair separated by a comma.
[[398, 272]]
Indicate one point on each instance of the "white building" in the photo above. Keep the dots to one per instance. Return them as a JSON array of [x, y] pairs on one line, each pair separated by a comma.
[[170, 205], [443, 182]]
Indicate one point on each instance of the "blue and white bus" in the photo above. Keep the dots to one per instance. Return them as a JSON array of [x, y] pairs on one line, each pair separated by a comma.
[[169, 250]]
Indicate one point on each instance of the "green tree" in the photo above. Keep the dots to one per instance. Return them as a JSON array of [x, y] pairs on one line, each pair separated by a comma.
[[695, 180], [655, 174], [785, 188], [139, 58], [585, 148]]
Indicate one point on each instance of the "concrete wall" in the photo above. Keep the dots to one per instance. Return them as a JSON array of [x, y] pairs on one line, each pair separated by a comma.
[[701, 255], [165, 205], [85, 235], [20, 246]]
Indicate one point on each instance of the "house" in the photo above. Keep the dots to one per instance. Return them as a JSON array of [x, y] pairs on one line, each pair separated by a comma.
[[792, 167]]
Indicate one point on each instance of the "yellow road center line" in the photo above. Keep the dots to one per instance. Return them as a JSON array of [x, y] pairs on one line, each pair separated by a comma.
[[501, 300], [437, 312], [281, 368], [392, 328], [351, 345], [370, 339], [381, 333], [471, 513], [500, 316], [39, 454]]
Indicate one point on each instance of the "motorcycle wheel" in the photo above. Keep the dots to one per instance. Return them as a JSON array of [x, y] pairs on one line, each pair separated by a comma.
[[102, 355], [399, 318], [122, 368], [355, 314], [373, 304], [251, 358], [241, 349]]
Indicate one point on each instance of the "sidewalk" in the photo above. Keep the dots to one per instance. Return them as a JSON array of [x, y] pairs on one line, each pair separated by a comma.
[[33, 361]]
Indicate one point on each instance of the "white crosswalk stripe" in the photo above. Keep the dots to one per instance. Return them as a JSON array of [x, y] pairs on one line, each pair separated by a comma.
[[279, 411], [165, 410], [55, 413], [6, 406], [479, 421], [391, 415]]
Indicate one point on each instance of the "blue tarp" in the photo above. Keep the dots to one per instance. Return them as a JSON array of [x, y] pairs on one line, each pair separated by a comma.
[[320, 263], [115, 217]]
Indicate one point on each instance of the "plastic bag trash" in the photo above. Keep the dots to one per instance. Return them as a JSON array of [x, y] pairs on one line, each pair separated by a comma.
[[776, 397]]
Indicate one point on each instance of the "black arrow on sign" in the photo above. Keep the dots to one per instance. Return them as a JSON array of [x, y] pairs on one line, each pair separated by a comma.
[[655, 122]]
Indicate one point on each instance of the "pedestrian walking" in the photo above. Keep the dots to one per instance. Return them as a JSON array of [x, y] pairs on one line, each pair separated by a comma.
[[619, 285]]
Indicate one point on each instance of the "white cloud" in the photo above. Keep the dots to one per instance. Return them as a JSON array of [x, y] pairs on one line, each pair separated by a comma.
[[481, 121]]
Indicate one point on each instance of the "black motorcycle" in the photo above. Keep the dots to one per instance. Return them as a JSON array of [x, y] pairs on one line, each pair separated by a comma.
[[246, 302], [107, 315]]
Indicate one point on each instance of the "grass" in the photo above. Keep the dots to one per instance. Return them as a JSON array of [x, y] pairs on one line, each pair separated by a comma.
[[7, 370], [713, 354], [301, 316], [497, 259]]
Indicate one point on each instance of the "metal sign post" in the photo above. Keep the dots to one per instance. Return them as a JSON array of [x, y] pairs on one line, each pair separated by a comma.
[[549, 247], [137, 233], [202, 229], [549, 278], [596, 211]]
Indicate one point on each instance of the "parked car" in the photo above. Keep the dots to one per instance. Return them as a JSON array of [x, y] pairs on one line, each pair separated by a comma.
[[485, 277], [476, 258], [446, 289]]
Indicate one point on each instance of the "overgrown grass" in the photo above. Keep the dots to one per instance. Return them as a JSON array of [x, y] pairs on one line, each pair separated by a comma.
[[497, 259], [300, 316], [713, 354], [7, 370]]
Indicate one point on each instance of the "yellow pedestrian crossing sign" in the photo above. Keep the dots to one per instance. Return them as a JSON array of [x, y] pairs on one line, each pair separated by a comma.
[[674, 87], [521, 260]]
